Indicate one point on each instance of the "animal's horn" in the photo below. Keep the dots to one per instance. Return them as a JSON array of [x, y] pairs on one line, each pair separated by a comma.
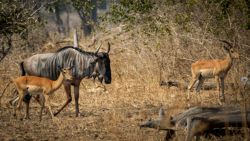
[[229, 44], [108, 47], [97, 50]]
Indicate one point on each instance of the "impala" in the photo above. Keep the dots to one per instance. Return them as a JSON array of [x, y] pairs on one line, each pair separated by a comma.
[[217, 69], [41, 88]]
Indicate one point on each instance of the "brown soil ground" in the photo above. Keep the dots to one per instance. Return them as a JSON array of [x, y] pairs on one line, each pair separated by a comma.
[[104, 116]]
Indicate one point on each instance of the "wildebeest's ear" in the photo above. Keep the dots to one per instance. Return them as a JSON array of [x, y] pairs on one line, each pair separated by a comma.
[[108, 48]]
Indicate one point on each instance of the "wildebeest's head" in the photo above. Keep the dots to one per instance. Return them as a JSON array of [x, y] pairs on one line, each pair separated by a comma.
[[102, 68]]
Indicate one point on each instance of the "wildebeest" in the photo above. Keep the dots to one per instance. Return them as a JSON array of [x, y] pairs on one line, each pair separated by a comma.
[[86, 64]]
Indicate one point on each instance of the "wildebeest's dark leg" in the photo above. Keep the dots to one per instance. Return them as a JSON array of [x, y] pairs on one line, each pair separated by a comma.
[[76, 94], [69, 98]]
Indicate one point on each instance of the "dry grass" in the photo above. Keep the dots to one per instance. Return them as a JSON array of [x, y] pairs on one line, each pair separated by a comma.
[[138, 65]]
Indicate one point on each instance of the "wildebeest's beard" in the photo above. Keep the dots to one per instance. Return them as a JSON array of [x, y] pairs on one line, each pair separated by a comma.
[[102, 68]]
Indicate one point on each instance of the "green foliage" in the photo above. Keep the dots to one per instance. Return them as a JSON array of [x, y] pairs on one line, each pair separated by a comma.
[[138, 12], [138, 6], [215, 16], [15, 18], [83, 6], [129, 10], [182, 19]]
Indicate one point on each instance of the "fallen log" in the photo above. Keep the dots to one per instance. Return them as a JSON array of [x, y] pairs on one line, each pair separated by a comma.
[[199, 121]]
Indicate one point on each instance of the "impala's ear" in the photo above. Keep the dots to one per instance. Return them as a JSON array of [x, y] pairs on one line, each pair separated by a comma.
[[226, 48]]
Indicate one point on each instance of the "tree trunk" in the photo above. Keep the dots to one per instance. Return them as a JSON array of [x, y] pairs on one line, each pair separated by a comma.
[[59, 21]]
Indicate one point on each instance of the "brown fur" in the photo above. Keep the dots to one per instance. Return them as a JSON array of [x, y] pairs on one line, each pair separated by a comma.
[[217, 69], [39, 87]]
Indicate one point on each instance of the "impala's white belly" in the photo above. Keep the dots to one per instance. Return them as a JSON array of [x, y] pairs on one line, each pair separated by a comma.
[[34, 90], [207, 73]]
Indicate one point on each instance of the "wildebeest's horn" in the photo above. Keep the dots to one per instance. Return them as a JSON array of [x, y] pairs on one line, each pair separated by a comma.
[[108, 47], [97, 50]]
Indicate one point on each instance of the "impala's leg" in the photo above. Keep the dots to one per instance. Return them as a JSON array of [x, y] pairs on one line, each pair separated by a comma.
[[37, 98], [47, 104], [19, 104], [222, 96], [76, 94], [42, 102], [201, 81], [198, 88], [218, 87], [14, 104], [194, 80], [69, 98]]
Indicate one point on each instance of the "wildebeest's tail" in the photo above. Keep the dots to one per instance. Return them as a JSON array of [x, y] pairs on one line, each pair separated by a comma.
[[22, 69]]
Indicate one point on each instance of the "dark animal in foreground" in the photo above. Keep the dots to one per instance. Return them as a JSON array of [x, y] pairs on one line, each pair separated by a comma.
[[86, 65], [199, 121]]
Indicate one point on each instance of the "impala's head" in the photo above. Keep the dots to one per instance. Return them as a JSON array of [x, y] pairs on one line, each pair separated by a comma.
[[102, 68], [231, 50], [67, 74]]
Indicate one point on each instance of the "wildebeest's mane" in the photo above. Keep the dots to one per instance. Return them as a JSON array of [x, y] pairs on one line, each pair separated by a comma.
[[68, 56], [75, 48]]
